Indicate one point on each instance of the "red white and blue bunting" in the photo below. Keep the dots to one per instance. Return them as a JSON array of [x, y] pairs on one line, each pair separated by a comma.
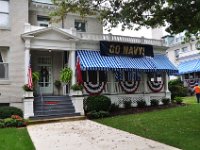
[[155, 86], [129, 86], [191, 82], [94, 89]]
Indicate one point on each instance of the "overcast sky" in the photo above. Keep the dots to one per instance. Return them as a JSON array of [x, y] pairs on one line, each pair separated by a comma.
[[142, 32]]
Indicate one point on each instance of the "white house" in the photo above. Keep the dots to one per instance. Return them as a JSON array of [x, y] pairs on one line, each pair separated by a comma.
[[184, 55], [117, 66]]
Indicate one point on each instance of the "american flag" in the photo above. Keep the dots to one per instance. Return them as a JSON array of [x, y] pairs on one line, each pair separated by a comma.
[[78, 72], [30, 81]]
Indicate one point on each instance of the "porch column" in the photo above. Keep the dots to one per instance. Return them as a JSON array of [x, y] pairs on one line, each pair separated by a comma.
[[146, 94], [72, 65], [26, 59], [167, 92], [166, 82], [144, 76]]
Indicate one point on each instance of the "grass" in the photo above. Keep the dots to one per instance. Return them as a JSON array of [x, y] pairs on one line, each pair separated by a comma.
[[15, 139], [190, 100], [178, 127]]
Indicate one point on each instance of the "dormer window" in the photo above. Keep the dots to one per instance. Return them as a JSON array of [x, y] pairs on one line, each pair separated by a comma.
[[80, 25], [43, 21]]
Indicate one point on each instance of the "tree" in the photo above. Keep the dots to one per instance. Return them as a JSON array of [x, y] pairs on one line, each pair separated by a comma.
[[178, 15]]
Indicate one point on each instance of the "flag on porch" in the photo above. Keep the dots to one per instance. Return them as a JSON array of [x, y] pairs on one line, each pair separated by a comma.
[[78, 72], [30, 81]]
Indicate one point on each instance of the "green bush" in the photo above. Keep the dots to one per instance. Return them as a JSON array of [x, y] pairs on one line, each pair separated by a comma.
[[154, 102], [6, 112], [178, 100], [165, 101], [177, 89], [13, 122], [127, 104], [97, 103], [141, 104], [2, 125], [114, 107], [9, 122], [77, 87], [95, 115]]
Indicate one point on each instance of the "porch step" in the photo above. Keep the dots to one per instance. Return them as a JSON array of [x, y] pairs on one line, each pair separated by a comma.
[[53, 102], [54, 98], [61, 118], [53, 106]]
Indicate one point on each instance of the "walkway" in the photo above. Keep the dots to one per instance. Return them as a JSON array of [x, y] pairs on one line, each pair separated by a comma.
[[88, 135]]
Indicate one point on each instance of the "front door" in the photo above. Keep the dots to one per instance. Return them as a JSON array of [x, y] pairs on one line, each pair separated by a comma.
[[45, 84]]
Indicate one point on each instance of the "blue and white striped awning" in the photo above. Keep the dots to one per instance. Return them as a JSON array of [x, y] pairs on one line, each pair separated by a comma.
[[93, 60], [189, 66]]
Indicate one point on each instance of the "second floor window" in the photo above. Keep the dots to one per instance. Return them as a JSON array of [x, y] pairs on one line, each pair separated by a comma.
[[177, 53], [4, 13], [43, 21], [80, 25], [184, 49]]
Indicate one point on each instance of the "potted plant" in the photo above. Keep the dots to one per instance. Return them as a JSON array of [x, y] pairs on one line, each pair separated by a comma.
[[66, 75], [77, 89], [57, 84], [28, 91]]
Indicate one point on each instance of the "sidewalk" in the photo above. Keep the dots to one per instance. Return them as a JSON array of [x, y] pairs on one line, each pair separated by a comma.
[[88, 135]]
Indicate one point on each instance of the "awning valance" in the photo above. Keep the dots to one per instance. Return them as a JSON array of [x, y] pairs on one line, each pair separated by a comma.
[[189, 66], [93, 60]]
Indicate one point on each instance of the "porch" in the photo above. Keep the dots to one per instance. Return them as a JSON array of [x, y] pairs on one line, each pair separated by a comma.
[[121, 78]]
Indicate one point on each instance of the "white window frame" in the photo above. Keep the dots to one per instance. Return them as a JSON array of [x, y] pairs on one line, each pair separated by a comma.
[[7, 13], [44, 22], [80, 21], [5, 63]]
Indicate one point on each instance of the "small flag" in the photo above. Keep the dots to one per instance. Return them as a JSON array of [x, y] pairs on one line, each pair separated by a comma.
[[78, 72], [30, 81]]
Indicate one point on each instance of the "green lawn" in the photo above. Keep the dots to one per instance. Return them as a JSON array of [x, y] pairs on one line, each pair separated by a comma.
[[15, 139], [190, 100], [179, 127]]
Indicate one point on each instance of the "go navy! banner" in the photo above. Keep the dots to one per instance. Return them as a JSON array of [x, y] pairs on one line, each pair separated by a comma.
[[125, 49]]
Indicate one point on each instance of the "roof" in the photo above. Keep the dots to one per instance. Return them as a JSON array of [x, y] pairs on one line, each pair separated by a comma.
[[189, 66]]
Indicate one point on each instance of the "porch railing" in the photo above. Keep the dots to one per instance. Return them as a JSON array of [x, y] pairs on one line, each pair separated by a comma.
[[118, 38], [3, 70]]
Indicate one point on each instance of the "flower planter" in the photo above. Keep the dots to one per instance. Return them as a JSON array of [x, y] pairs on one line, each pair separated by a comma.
[[28, 94], [75, 93]]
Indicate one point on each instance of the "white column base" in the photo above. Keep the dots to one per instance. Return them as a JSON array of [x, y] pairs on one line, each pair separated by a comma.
[[28, 108], [78, 104], [168, 94], [75, 93]]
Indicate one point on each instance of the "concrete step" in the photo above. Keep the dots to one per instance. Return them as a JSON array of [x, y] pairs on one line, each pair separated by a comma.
[[49, 102], [53, 98], [61, 118], [60, 106]]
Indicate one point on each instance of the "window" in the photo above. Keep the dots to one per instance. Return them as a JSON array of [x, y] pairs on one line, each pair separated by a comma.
[[154, 77], [4, 13], [186, 76], [177, 51], [43, 1], [3, 63], [184, 49], [94, 76], [43, 21], [131, 76], [80, 25]]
